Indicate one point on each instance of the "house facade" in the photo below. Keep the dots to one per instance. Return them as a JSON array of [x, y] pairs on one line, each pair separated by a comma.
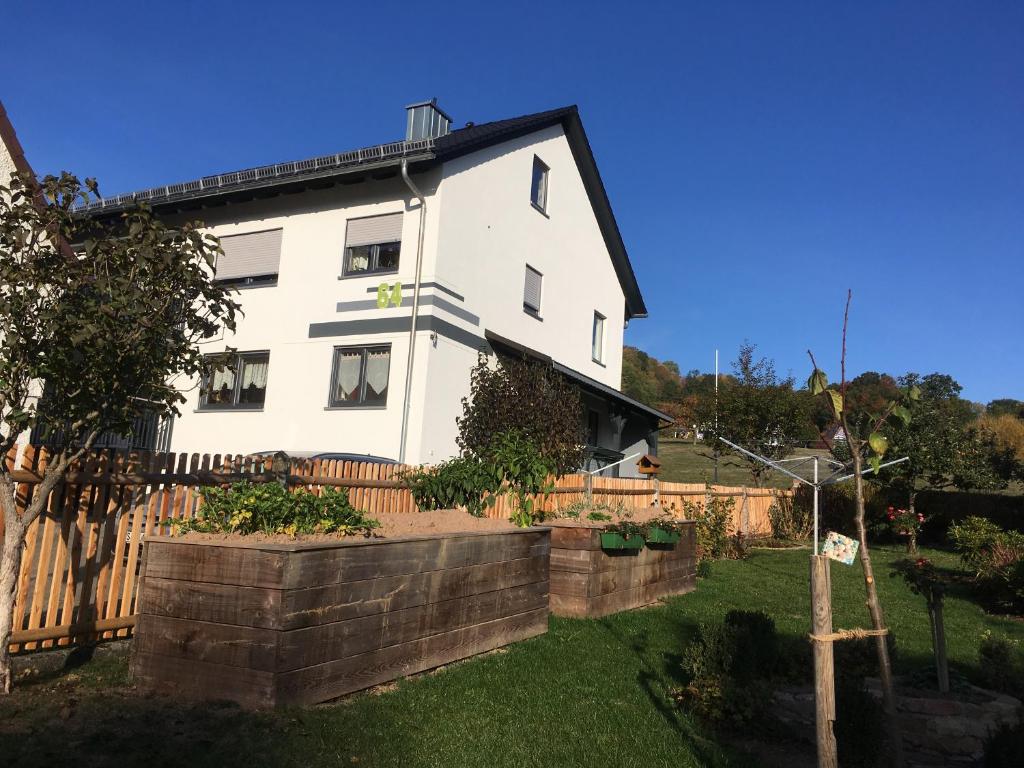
[[371, 281]]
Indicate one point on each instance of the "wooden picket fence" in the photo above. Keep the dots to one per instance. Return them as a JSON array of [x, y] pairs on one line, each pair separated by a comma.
[[82, 558]]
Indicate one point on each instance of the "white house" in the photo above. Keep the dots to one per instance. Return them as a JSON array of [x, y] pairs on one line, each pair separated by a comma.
[[370, 281]]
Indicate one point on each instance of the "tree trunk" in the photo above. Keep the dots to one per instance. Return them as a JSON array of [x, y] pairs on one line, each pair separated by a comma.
[[10, 566], [877, 620], [912, 536]]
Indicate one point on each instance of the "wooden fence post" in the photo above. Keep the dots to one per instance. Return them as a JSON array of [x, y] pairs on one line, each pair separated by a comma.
[[824, 673]]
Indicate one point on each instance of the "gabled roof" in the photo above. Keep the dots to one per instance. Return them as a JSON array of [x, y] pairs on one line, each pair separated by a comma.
[[9, 138], [421, 154]]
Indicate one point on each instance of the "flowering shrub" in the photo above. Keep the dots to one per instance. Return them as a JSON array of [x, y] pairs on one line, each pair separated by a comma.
[[906, 523]]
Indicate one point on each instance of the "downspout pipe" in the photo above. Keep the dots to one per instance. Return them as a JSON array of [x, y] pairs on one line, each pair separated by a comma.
[[415, 310]]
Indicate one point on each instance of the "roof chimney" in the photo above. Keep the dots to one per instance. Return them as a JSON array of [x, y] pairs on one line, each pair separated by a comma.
[[426, 120]]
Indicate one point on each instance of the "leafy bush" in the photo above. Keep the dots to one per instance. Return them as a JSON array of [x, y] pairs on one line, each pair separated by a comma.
[[1002, 664], [728, 668], [512, 465], [270, 508], [791, 520], [527, 397], [591, 511], [996, 558], [465, 481], [713, 521]]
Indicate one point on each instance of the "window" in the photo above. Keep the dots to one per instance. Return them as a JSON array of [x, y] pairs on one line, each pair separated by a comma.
[[597, 338], [539, 187], [593, 427], [372, 245], [531, 290], [249, 260], [239, 380], [360, 376]]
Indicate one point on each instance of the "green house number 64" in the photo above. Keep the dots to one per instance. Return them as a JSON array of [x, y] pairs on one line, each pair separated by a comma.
[[389, 294]]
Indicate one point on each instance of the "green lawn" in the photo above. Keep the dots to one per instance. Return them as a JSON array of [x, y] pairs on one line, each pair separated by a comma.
[[589, 693], [684, 462]]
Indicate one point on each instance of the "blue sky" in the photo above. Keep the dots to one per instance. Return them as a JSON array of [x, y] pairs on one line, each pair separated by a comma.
[[761, 157]]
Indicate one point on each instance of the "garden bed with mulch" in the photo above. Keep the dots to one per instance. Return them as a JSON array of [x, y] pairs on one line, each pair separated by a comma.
[[267, 621]]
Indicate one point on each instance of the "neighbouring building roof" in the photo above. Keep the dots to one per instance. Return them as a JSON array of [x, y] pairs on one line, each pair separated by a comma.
[[270, 180]]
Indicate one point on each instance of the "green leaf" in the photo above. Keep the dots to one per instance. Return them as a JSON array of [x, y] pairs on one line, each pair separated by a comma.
[[817, 382], [837, 401], [902, 413], [879, 443], [915, 392], [875, 463]]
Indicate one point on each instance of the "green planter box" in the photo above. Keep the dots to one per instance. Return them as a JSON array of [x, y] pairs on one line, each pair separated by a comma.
[[661, 536], [617, 541]]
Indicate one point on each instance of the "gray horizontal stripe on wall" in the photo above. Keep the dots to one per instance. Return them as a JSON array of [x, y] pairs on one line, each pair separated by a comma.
[[428, 300], [397, 325], [437, 286]]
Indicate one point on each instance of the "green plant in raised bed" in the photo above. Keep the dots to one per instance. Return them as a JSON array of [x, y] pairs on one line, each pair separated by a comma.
[[623, 535], [270, 508], [665, 529]]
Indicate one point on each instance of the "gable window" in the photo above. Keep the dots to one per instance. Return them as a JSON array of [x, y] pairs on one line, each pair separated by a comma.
[[249, 260], [539, 187], [359, 376], [238, 380], [597, 339], [373, 245], [532, 290]]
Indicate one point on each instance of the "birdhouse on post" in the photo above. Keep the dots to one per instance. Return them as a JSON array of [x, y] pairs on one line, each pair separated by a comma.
[[648, 465]]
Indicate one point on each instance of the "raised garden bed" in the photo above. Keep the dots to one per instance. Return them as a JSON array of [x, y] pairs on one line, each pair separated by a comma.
[[590, 578], [266, 623]]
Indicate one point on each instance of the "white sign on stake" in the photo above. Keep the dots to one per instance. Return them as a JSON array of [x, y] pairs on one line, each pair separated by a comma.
[[840, 548]]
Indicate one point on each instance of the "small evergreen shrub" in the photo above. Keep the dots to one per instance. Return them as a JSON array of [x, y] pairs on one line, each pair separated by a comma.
[[1002, 664], [996, 558], [270, 508], [728, 668]]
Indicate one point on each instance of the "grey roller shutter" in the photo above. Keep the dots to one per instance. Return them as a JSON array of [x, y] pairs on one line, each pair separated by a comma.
[[531, 291], [374, 230], [249, 255]]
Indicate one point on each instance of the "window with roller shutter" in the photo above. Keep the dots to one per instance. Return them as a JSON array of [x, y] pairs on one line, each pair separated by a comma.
[[532, 290], [373, 245], [250, 259]]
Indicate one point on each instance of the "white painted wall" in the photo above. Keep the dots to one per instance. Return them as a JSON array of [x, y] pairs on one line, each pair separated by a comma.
[[481, 232], [277, 318], [489, 232]]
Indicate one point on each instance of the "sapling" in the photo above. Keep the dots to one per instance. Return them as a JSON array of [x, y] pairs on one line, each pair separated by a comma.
[[865, 442]]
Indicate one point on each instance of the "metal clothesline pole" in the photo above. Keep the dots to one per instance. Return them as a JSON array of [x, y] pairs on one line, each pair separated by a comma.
[[816, 484]]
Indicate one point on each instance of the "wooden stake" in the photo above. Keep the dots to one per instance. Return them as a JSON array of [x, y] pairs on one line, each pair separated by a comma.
[[939, 640], [824, 672]]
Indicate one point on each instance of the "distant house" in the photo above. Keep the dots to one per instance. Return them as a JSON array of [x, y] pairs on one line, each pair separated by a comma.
[[372, 279]]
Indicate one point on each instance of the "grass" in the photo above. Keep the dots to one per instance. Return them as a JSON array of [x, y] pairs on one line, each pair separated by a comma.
[[589, 693], [684, 462]]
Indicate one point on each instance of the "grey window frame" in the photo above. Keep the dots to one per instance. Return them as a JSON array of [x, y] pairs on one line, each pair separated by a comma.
[[542, 204], [365, 349], [533, 311], [238, 362], [599, 359], [374, 269]]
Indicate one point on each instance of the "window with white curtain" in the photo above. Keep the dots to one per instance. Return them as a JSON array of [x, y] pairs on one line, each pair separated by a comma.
[[235, 380], [359, 376]]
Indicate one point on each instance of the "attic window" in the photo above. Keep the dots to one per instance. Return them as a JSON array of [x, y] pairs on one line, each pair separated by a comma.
[[539, 187]]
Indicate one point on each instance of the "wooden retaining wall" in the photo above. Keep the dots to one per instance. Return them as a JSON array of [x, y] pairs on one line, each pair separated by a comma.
[[587, 581], [80, 570], [272, 624]]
